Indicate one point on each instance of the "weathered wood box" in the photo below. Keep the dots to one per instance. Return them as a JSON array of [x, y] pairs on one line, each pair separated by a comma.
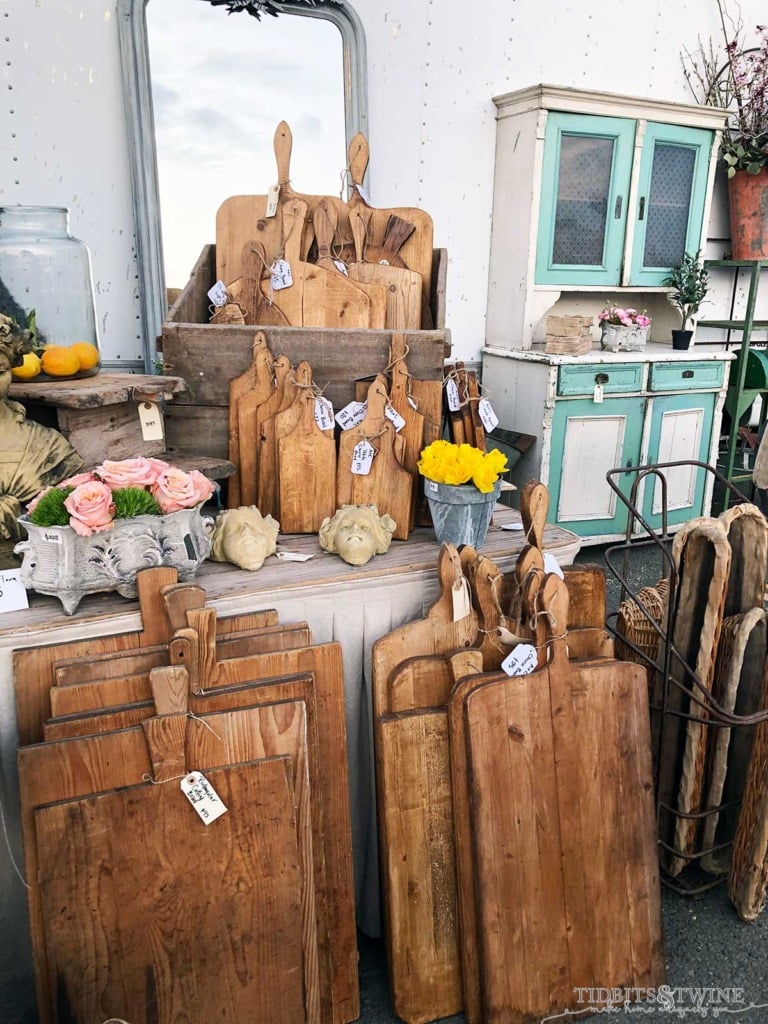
[[207, 356]]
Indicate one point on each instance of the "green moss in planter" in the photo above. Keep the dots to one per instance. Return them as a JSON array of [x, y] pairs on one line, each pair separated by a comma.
[[50, 509], [134, 501]]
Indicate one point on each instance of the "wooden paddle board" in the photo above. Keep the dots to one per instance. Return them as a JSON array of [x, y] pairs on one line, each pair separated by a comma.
[[307, 473]]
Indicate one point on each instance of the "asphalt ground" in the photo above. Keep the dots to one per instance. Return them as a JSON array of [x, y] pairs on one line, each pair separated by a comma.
[[717, 966]]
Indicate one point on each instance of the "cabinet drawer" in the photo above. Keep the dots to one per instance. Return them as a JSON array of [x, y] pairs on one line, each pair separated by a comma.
[[616, 378], [685, 376]]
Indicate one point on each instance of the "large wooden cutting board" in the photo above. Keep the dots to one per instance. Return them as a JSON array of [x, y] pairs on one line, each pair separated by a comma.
[[250, 429], [251, 389], [307, 472], [156, 924], [562, 809]]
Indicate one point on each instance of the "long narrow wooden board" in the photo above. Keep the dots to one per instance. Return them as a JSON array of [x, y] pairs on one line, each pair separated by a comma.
[[747, 531], [129, 920], [306, 473]]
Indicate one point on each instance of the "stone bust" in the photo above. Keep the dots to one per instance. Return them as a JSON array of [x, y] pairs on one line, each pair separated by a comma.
[[357, 533], [244, 537]]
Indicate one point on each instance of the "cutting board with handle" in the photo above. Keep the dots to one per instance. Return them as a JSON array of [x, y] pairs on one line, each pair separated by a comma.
[[565, 861], [250, 418], [345, 291], [71, 769], [264, 678], [406, 406], [443, 629], [253, 292], [307, 472], [387, 484], [246, 413], [403, 286], [255, 385], [273, 429], [425, 681], [417, 251]]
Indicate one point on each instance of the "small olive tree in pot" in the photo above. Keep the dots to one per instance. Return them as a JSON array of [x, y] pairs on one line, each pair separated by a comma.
[[690, 280]]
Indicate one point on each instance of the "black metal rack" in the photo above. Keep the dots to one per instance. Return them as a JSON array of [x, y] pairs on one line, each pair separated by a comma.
[[698, 704]]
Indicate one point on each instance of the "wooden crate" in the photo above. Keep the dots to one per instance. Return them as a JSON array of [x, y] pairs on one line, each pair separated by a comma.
[[208, 356]]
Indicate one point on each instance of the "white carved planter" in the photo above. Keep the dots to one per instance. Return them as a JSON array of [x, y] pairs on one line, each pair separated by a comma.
[[59, 562]]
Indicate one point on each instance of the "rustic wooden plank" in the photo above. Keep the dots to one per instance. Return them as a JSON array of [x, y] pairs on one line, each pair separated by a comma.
[[200, 429], [99, 390]]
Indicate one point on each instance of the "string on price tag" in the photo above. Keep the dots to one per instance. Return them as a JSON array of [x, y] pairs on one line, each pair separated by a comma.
[[521, 661], [362, 458]]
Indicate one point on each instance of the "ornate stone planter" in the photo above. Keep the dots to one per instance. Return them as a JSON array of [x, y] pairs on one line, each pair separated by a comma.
[[618, 338], [58, 562]]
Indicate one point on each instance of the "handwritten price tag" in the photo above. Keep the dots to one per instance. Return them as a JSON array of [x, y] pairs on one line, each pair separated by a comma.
[[452, 395], [273, 194], [151, 421], [362, 458], [280, 275], [218, 294], [521, 661], [487, 415], [13, 596], [394, 417], [351, 415], [206, 801], [324, 413]]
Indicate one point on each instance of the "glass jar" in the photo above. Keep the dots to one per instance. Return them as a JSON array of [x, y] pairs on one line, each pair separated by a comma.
[[45, 270]]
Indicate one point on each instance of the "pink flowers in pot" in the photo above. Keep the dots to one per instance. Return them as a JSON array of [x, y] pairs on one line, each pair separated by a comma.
[[91, 502], [620, 316]]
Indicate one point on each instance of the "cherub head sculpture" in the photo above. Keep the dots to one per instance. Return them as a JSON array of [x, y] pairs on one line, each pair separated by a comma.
[[244, 537], [357, 533]]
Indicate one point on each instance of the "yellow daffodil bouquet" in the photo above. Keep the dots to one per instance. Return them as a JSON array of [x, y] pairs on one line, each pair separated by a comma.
[[447, 463]]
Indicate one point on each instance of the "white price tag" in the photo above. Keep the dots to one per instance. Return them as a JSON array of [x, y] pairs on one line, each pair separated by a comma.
[[413, 403], [452, 395], [394, 417], [487, 415], [552, 565], [430, 485], [323, 413], [280, 275], [273, 194], [462, 603], [203, 797], [513, 526], [293, 556], [13, 596], [521, 661], [151, 421], [341, 266], [363, 194], [597, 394], [52, 536], [218, 294], [351, 415], [362, 458]]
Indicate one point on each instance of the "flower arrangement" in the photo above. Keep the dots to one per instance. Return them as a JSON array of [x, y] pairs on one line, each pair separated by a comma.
[[620, 316], [447, 463], [91, 502], [737, 80]]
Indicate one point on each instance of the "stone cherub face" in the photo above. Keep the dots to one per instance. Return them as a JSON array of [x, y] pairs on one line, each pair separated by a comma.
[[357, 533], [244, 537]]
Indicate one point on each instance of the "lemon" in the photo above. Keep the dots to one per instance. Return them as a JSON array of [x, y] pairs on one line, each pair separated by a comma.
[[87, 353], [59, 361], [29, 368]]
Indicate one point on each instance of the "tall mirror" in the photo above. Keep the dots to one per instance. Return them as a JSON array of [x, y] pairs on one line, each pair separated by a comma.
[[205, 90]]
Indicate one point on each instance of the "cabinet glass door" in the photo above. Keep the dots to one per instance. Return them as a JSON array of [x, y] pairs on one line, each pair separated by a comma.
[[680, 430], [670, 199], [585, 181], [593, 438]]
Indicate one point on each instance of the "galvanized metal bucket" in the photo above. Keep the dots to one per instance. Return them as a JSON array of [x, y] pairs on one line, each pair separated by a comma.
[[460, 512]]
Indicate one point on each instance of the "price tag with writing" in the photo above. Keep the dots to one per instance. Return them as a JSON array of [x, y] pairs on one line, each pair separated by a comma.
[[341, 266], [597, 394], [462, 604], [394, 417], [351, 415], [273, 194], [151, 421], [521, 661], [218, 294], [293, 556], [13, 596], [203, 797], [487, 415], [362, 458], [452, 395], [552, 565], [280, 275], [323, 413]]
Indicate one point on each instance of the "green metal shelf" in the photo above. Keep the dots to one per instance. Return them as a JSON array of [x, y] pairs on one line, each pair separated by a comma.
[[739, 398]]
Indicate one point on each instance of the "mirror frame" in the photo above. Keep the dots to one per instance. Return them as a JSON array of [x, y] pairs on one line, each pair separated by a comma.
[[140, 123]]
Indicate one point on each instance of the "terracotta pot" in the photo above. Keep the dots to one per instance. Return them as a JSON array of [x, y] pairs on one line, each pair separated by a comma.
[[748, 203]]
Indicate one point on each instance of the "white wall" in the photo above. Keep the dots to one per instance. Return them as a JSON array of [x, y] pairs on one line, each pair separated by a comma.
[[433, 67]]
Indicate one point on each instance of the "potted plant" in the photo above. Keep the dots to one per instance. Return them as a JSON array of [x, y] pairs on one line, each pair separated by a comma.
[[690, 280], [623, 328], [737, 80], [462, 485]]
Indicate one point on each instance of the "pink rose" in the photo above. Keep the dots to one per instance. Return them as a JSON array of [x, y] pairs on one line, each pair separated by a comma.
[[33, 504], [176, 489], [139, 472], [75, 481], [90, 508], [643, 321]]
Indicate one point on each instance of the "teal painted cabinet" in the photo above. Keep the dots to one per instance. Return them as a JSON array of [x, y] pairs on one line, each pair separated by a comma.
[[593, 219]]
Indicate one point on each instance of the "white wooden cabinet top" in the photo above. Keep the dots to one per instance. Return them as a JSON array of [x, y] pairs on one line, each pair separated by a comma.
[[652, 353]]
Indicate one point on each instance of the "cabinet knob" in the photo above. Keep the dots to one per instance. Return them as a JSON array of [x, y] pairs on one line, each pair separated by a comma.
[[618, 206], [641, 211], [601, 378], [687, 374]]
